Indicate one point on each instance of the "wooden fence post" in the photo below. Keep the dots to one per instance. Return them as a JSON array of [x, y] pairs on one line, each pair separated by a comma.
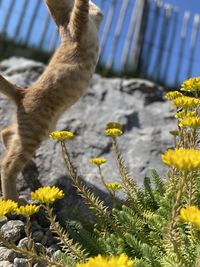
[[171, 43], [138, 36], [44, 30], [182, 45], [118, 30], [8, 16], [153, 33], [193, 42], [108, 24], [32, 21], [21, 18], [130, 33], [162, 42]]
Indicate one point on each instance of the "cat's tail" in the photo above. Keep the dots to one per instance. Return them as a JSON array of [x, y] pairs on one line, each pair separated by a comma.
[[12, 91]]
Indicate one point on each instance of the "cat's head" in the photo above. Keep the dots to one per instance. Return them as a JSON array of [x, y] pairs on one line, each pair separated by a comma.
[[95, 13]]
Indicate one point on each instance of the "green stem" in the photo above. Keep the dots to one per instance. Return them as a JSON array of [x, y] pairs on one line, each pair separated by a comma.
[[28, 233], [103, 181], [173, 231], [129, 184], [94, 203], [62, 235]]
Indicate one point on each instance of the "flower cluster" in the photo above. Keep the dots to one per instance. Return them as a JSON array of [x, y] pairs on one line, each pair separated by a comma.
[[190, 85], [98, 161], [182, 114], [173, 95], [112, 261], [182, 159], [27, 210], [186, 102], [61, 135], [47, 194], [114, 186], [113, 129], [7, 206], [192, 122], [190, 214]]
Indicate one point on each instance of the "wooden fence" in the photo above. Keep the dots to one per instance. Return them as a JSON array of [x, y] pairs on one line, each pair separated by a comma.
[[140, 37]]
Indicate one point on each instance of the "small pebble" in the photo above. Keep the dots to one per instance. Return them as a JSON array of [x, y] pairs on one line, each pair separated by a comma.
[[13, 231], [7, 255], [19, 262], [6, 264], [38, 236]]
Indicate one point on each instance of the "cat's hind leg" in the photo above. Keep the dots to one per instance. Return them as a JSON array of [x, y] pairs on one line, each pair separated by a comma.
[[19, 152]]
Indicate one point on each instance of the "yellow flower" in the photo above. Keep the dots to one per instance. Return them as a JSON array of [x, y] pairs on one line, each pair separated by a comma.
[[190, 214], [113, 132], [192, 122], [182, 159], [192, 84], [114, 186], [98, 161], [112, 261], [27, 210], [172, 95], [7, 206], [61, 135], [114, 125], [113, 129], [186, 102], [183, 114], [47, 194]]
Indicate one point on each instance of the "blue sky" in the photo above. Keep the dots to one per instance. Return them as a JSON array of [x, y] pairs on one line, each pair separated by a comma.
[[192, 5], [50, 40]]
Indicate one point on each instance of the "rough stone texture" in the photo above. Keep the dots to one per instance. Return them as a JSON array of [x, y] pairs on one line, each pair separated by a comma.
[[38, 236], [3, 220], [137, 104], [12, 230], [6, 264], [7, 254], [19, 262]]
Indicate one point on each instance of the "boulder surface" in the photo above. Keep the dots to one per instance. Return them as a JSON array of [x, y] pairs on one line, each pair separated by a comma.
[[138, 104]]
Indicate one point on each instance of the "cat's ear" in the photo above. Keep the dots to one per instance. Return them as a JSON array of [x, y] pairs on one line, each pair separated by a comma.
[[60, 10], [79, 19]]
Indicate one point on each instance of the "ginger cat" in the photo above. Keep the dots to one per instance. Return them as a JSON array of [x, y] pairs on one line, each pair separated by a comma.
[[65, 79]]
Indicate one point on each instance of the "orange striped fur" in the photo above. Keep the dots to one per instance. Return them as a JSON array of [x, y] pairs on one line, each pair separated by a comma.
[[65, 79]]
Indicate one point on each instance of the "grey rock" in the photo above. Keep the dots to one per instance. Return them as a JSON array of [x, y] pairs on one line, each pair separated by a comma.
[[52, 249], [21, 71], [39, 248], [13, 230], [19, 262], [39, 265], [48, 238], [23, 243], [137, 104], [7, 254], [57, 255], [38, 236], [6, 264], [3, 220], [35, 226]]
